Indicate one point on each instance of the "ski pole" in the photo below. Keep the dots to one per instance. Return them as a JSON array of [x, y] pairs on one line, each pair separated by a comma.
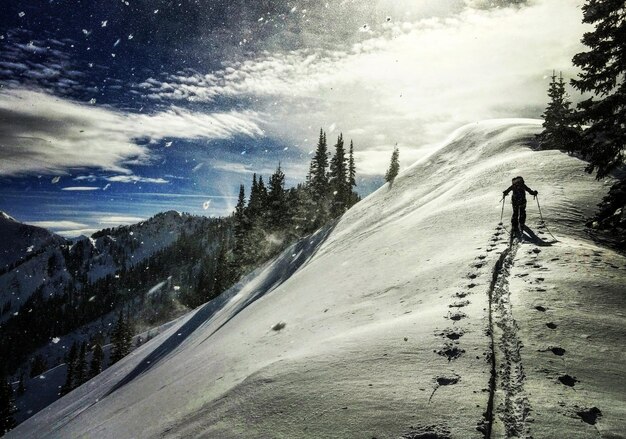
[[502, 213], [542, 220]]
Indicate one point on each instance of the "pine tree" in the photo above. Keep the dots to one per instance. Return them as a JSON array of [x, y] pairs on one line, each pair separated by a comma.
[[80, 371], [241, 226], [394, 166], [319, 169], [97, 358], [558, 130], [7, 406], [339, 178], [121, 338], [276, 200], [222, 278], [70, 377], [603, 69]]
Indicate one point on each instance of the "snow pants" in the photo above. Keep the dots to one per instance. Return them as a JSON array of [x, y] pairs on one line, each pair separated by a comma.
[[518, 220]]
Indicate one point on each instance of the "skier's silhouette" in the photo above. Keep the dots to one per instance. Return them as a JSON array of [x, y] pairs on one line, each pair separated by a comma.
[[519, 189]]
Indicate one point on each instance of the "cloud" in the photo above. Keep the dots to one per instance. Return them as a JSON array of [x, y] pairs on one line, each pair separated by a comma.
[[135, 179], [409, 81], [40, 133], [58, 225], [80, 188]]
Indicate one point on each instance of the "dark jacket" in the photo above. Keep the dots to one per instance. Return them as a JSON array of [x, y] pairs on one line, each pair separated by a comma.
[[519, 192]]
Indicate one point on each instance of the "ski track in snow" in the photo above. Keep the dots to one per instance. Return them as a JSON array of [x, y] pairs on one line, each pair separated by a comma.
[[508, 400]]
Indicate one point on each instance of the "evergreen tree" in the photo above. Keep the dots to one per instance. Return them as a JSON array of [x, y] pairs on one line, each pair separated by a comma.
[[97, 358], [277, 201], [394, 166], [222, 278], [121, 338], [241, 226], [319, 169], [70, 377], [603, 70], [7, 406], [80, 371], [558, 130], [339, 179]]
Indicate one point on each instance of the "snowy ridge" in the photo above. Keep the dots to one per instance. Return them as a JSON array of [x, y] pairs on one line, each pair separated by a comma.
[[411, 316]]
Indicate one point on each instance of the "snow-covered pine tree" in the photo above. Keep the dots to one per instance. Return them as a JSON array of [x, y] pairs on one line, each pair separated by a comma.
[[394, 166], [559, 131], [603, 70]]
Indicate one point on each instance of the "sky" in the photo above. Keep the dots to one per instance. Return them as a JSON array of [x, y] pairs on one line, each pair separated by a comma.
[[111, 112]]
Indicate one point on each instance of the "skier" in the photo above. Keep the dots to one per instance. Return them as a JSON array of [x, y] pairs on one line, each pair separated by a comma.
[[518, 200]]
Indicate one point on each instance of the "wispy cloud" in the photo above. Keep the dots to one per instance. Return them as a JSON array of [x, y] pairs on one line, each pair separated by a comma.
[[81, 188], [59, 225], [40, 133], [134, 179]]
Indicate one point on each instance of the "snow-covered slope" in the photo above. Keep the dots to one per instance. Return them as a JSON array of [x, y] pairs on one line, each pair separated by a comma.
[[412, 315]]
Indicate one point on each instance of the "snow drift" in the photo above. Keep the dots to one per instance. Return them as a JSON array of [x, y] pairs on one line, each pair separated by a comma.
[[410, 316]]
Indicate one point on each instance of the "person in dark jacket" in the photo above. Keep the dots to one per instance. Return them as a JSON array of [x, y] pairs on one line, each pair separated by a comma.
[[519, 189]]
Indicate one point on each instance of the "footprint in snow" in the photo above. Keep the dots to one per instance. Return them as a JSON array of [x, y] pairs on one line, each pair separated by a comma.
[[456, 316], [568, 380], [451, 333], [551, 325], [589, 415], [450, 351], [540, 308], [459, 304]]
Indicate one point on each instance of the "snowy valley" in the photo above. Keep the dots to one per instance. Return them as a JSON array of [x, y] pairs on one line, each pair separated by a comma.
[[411, 316]]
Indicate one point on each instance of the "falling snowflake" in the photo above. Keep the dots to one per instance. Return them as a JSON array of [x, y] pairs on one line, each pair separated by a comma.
[[30, 248], [21, 14], [293, 9], [104, 23], [92, 101], [332, 127], [388, 18], [86, 32], [260, 19], [55, 180], [113, 55], [106, 186], [156, 11], [176, 288], [117, 42], [130, 36], [206, 204], [168, 144], [55, 340], [285, 148], [90, 64]]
